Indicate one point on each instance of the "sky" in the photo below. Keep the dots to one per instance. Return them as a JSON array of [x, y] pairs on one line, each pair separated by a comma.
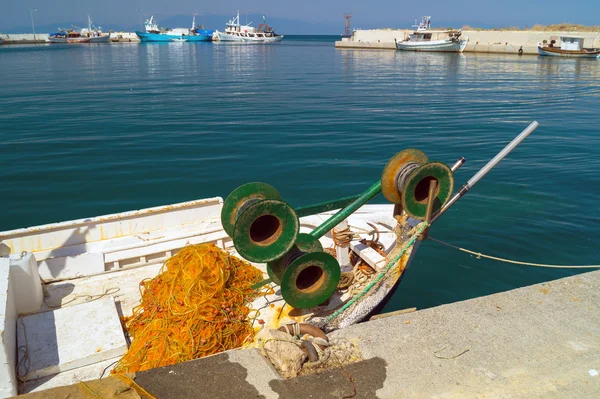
[[318, 16]]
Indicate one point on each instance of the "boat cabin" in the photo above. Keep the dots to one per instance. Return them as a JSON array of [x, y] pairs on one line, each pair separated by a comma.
[[571, 43], [433, 35]]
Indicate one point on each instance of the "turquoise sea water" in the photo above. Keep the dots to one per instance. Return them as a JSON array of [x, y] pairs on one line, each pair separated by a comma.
[[91, 130]]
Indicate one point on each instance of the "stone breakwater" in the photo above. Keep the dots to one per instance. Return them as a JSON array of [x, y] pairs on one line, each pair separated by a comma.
[[39, 38], [480, 41]]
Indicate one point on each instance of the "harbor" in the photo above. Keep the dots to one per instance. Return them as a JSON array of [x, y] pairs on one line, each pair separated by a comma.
[[193, 215], [480, 41]]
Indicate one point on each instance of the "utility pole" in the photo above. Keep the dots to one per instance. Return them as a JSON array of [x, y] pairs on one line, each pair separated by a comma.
[[141, 24], [32, 23]]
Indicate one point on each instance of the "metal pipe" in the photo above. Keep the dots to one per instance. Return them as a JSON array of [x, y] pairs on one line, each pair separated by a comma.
[[342, 214], [490, 165], [325, 206], [430, 200], [458, 164]]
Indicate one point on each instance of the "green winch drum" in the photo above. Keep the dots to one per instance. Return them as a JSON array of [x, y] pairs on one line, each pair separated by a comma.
[[307, 275], [263, 227], [415, 188], [305, 243]]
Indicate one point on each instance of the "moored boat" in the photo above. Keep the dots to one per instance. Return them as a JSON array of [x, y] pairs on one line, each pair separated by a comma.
[[426, 39], [570, 46], [91, 34], [63, 286], [236, 32], [154, 34]]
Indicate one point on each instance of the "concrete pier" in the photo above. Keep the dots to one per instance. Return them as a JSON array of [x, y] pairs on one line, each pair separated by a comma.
[[40, 38], [541, 341], [480, 41]]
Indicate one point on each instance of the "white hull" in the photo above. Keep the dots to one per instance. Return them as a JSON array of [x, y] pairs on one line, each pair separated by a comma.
[[116, 252], [447, 46], [226, 37]]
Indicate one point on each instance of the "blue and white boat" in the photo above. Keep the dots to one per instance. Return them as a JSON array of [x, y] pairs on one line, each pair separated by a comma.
[[155, 34], [426, 39]]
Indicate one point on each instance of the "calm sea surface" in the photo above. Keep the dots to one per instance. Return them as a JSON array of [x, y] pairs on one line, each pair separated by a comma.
[[91, 130]]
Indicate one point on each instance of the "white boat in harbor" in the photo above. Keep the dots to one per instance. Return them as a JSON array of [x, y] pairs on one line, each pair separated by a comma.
[[236, 32], [426, 39], [66, 287], [570, 46], [81, 261]]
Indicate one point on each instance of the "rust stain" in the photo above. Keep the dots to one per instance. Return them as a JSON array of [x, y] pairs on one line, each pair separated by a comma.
[[544, 291]]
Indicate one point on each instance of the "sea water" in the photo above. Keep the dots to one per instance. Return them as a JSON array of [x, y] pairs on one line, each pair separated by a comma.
[[96, 129]]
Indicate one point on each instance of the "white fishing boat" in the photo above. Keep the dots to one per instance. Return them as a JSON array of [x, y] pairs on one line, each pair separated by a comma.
[[236, 32], [570, 46], [65, 286], [179, 40], [426, 39]]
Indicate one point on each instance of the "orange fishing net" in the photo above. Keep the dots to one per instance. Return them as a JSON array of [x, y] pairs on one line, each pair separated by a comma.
[[195, 307]]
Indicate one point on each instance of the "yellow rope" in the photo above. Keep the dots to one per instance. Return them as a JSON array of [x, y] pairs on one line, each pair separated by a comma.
[[480, 255]]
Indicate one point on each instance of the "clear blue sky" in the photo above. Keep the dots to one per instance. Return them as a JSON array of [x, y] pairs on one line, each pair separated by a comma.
[[322, 13]]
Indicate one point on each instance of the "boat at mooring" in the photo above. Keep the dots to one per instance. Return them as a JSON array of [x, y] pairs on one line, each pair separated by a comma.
[[426, 39], [570, 46], [153, 33], [236, 32], [70, 292]]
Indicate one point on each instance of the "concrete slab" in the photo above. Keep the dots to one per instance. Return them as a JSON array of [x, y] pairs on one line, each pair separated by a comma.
[[541, 341], [69, 338], [219, 376]]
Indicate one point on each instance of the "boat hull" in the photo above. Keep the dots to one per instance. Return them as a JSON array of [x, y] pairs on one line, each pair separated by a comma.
[[100, 39], [224, 37], [206, 36], [444, 46], [64, 40], [557, 52]]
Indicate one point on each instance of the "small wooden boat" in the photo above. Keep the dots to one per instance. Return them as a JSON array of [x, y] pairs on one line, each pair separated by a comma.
[[570, 46]]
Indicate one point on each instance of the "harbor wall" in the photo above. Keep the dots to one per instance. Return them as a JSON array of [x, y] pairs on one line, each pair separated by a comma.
[[23, 38], [480, 41], [38, 38]]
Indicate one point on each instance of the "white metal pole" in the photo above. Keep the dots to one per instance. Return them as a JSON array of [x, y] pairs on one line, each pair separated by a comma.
[[32, 23], [490, 165]]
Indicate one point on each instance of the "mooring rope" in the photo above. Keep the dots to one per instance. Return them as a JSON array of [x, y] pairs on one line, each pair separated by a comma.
[[417, 230], [479, 255]]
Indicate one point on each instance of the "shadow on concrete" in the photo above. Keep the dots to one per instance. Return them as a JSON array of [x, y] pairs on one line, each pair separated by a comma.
[[368, 375], [210, 377]]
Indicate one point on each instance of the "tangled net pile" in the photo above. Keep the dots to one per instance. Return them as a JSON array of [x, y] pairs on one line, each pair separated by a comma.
[[195, 307]]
